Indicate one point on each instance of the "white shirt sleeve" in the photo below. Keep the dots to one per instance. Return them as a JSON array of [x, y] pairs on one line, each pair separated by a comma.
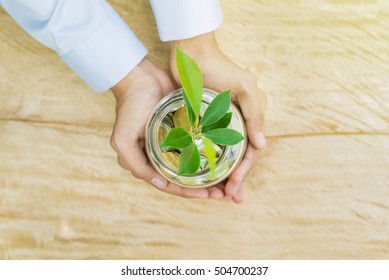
[[88, 35], [183, 19]]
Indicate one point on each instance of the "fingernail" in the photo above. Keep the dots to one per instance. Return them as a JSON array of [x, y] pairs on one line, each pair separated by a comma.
[[160, 184], [261, 141]]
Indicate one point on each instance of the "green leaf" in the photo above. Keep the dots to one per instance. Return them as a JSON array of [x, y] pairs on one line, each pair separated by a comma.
[[222, 123], [189, 160], [177, 138], [217, 108], [191, 115], [210, 153], [191, 80], [224, 136]]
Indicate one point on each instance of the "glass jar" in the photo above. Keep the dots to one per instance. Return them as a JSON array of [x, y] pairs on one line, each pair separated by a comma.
[[165, 161]]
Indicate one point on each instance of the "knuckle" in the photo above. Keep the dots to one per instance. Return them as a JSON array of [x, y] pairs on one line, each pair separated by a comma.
[[248, 83], [235, 179], [255, 117], [118, 143], [112, 142], [137, 173], [120, 162]]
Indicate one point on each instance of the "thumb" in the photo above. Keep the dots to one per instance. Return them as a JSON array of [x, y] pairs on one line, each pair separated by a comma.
[[251, 107]]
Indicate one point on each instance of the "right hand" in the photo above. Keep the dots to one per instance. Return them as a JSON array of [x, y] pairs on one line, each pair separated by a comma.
[[136, 95], [219, 73]]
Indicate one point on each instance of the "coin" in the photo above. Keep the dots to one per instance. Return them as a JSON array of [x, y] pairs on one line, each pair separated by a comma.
[[180, 119], [171, 158], [163, 131]]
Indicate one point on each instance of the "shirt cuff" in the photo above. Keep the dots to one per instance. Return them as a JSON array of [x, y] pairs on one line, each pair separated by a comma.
[[107, 55], [183, 19]]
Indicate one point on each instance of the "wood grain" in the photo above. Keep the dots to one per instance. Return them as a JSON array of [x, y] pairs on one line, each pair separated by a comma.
[[319, 191]]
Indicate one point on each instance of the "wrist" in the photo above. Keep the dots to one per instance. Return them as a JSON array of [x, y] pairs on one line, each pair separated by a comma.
[[196, 45], [143, 71]]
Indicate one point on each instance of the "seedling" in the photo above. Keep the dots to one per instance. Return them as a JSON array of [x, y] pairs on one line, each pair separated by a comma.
[[208, 129]]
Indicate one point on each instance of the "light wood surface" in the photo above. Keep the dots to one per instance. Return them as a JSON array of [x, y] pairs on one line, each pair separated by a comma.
[[320, 190]]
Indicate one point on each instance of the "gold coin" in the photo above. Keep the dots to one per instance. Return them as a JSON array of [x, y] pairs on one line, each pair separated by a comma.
[[162, 132], [171, 158], [180, 119]]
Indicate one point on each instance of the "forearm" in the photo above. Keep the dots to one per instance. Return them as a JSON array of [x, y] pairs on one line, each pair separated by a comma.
[[89, 36]]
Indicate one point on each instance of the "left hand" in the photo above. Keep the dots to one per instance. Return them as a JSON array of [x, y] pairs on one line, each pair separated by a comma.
[[136, 95], [219, 73]]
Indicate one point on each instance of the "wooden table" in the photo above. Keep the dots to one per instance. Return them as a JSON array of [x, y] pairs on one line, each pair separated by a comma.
[[319, 191]]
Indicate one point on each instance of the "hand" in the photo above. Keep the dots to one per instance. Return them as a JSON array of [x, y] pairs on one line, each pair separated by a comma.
[[219, 73], [136, 95]]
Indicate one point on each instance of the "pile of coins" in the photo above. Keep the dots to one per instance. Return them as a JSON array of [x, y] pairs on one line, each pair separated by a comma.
[[179, 118]]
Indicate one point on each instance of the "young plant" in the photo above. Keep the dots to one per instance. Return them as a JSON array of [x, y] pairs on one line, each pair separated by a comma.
[[210, 130]]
